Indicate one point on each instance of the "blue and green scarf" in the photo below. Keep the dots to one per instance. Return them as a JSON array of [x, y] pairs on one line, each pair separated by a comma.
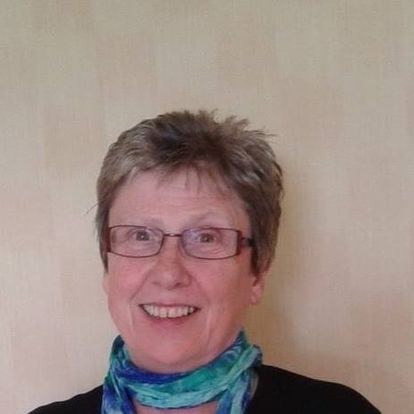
[[228, 379]]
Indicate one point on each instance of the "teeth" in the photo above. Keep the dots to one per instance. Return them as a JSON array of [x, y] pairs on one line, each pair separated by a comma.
[[168, 311]]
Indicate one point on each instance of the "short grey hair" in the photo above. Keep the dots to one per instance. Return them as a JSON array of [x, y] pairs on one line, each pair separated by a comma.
[[179, 140]]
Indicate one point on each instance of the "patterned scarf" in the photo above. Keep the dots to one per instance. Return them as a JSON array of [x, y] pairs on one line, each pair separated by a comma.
[[228, 379]]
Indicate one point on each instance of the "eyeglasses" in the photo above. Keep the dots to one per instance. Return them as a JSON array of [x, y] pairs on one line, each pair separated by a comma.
[[203, 242]]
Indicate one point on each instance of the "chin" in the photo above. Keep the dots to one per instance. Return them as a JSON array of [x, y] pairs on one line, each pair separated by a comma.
[[166, 364]]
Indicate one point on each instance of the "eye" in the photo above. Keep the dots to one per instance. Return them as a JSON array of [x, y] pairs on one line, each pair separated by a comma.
[[140, 235], [208, 236]]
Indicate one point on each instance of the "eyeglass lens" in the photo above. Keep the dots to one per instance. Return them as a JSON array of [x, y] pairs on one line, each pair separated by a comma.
[[208, 243]]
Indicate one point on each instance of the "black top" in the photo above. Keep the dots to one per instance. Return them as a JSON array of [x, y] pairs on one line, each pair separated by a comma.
[[278, 391]]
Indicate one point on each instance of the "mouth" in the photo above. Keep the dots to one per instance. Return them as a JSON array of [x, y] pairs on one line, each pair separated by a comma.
[[168, 312]]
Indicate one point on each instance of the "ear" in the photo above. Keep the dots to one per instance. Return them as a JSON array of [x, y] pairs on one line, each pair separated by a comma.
[[257, 288], [105, 282]]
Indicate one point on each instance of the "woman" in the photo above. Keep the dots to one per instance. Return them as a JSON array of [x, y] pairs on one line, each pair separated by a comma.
[[188, 213]]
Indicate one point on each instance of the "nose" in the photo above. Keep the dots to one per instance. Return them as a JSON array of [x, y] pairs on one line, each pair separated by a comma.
[[169, 271]]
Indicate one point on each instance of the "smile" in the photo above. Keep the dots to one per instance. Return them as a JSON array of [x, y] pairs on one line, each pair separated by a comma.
[[168, 311]]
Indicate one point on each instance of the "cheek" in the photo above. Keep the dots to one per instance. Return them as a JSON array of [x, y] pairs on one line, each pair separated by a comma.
[[122, 278], [230, 287]]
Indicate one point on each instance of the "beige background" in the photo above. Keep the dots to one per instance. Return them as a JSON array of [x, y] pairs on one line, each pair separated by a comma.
[[333, 78]]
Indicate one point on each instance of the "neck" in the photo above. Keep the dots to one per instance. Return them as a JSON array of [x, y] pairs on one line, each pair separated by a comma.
[[209, 408], [228, 381]]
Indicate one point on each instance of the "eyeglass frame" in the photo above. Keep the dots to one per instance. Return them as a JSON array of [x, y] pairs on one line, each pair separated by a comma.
[[240, 243]]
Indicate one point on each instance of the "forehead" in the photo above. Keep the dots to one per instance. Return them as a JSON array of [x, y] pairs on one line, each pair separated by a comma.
[[156, 194]]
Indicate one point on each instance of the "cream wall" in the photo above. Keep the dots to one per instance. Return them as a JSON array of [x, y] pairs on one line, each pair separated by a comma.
[[333, 78]]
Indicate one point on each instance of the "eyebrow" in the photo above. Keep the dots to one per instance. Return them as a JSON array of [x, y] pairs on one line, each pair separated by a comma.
[[155, 222]]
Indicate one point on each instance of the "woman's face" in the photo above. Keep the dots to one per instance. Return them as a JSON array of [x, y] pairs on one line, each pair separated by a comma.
[[220, 291]]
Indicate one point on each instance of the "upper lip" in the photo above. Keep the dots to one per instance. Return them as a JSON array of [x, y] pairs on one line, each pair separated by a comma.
[[168, 305]]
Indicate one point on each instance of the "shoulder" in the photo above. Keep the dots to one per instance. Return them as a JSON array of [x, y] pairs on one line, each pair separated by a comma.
[[87, 403], [293, 393]]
